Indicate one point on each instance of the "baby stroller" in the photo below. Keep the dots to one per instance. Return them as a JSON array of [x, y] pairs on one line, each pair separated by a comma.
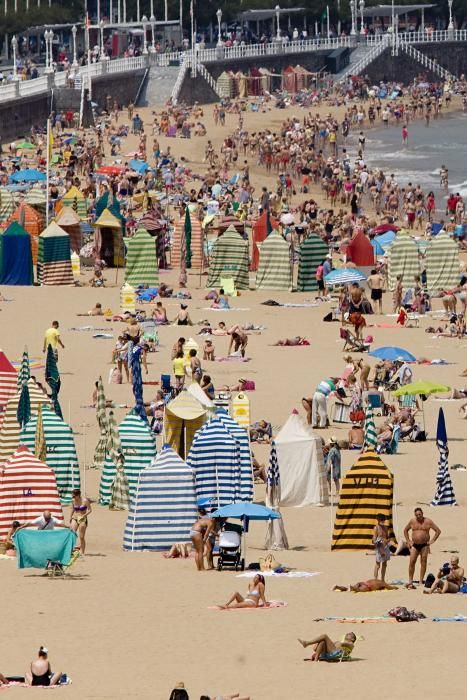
[[230, 548]]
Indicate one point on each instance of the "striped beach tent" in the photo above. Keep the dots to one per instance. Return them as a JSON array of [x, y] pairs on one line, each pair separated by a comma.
[[103, 423], [36, 197], [7, 204], [274, 267], [141, 260], [261, 230], [229, 258], [164, 507], [11, 430], [403, 259], [311, 253], [70, 222], [182, 418], [138, 447], [8, 382], [370, 440], [366, 490], [444, 495], [54, 259], [246, 467], [224, 85], [196, 243], [27, 488], [75, 199], [442, 263], [32, 222], [215, 458], [60, 454], [16, 257]]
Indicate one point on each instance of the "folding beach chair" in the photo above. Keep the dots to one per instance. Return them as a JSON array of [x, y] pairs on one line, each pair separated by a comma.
[[228, 285], [351, 342], [56, 568], [167, 389], [392, 447], [375, 400], [150, 331]]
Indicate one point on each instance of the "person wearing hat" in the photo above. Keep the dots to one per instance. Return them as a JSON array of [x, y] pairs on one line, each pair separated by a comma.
[[333, 465]]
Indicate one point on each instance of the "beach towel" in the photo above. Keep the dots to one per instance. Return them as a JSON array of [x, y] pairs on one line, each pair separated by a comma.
[[34, 548], [285, 574], [233, 358], [272, 604]]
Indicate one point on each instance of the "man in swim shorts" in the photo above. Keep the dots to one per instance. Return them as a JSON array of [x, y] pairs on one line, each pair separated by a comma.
[[419, 542]]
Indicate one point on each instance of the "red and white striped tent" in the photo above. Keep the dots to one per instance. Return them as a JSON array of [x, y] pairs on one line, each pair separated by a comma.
[[10, 429], [8, 382], [27, 488], [196, 242]]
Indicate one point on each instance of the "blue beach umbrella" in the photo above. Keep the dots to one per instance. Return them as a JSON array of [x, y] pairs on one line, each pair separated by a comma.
[[344, 276], [246, 511], [27, 175], [393, 353]]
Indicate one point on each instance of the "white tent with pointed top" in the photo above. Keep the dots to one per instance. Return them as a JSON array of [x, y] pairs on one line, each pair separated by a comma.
[[164, 506], [300, 460]]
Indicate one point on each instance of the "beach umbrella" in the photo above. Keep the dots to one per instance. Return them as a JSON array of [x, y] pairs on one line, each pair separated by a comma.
[[421, 388], [140, 166], [344, 276], [52, 377], [137, 380], [40, 447], [393, 353], [23, 413], [370, 440], [27, 175], [24, 372], [276, 537], [119, 491], [26, 145], [243, 510], [444, 495], [110, 170], [102, 421]]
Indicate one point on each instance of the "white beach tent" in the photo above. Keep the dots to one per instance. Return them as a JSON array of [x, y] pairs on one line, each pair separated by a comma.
[[196, 391], [164, 507], [302, 473]]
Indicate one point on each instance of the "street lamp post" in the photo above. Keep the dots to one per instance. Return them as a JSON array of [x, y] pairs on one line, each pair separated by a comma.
[[101, 29], [152, 20], [14, 44], [353, 30], [278, 31], [451, 23], [219, 20], [144, 22], [74, 29], [48, 36], [138, 12], [362, 24], [339, 27]]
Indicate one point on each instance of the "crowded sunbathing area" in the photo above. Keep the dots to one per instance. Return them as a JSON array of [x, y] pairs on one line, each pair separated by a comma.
[[233, 399]]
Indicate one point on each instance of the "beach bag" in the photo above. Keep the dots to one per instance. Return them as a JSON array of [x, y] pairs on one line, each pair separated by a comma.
[[328, 317], [268, 563], [429, 581]]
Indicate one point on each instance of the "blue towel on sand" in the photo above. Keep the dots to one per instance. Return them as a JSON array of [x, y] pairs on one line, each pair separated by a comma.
[[35, 547]]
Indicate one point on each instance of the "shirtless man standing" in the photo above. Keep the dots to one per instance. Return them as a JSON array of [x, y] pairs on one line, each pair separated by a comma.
[[419, 542], [238, 339], [376, 283]]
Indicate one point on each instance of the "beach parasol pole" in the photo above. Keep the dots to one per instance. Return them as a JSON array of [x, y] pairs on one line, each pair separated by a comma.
[[49, 158]]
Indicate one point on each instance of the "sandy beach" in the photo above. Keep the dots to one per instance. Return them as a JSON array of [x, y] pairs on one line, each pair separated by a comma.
[[132, 625]]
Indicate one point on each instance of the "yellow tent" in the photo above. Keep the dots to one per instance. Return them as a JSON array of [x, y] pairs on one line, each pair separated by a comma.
[[108, 239], [183, 417], [367, 489], [75, 198]]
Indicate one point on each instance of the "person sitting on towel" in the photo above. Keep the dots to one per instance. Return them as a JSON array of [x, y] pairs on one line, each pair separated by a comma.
[[255, 595], [261, 431], [449, 579], [15, 525], [327, 650], [356, 437], [41, 673]]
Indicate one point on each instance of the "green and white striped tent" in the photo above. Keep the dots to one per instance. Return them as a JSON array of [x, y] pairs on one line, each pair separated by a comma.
[[311, 253], [403, 259], [61, 454], [7, 204], [229, 258], [54, 259], [141, 260], [274, 266], [442, 263], [138, 446], [36, 197], [11, 429]]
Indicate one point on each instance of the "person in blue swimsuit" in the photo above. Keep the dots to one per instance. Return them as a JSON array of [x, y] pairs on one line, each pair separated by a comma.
[[327, 650]]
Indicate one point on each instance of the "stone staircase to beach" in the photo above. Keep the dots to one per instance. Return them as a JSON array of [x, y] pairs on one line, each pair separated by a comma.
[[159, 85], [360, 58]]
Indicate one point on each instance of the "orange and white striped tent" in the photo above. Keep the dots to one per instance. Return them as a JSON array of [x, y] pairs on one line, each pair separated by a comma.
[[196, 243], [32, 222], [27, 488], [8, 382]]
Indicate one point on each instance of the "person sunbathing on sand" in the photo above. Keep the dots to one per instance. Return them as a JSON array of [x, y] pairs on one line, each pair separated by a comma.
[[298, 340], [373, 584], [255, 595], [180, 550], [235, 696], [327, 650], [41, 672]]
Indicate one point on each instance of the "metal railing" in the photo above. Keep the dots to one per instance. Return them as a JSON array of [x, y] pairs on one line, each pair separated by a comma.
[[178, 83], [369, 56], [425, 61]]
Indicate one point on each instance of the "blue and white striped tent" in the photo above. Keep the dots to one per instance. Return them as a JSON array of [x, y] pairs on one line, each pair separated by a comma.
[[246, 468], [139, 449], [164, 505], [215, 458]]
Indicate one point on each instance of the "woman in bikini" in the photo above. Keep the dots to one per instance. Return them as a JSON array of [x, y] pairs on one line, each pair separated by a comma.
[[80, 509], [41, 672], [199, 534], [256, 590]]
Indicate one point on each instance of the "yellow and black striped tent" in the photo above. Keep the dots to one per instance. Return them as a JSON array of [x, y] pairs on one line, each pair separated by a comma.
[[366, 490]]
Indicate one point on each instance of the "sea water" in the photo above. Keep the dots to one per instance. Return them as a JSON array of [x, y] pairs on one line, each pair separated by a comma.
[[443, 142]]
